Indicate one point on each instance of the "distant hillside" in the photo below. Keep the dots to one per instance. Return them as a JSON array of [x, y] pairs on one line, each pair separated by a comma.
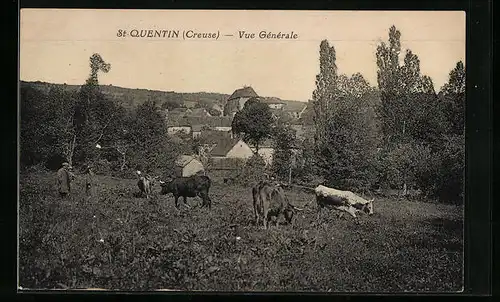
[[131, 98]]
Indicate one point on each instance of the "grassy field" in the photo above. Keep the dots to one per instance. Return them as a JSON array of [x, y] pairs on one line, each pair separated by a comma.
[[118, 241]]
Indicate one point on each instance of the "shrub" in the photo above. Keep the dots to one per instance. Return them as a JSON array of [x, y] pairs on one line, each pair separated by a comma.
[[449, 183], [253, 171], [103, 166]]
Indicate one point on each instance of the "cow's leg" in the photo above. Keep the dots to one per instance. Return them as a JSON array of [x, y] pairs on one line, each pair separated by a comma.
[[176, 201], [200, 195], [351, 211], [256, 214], [206, 200], [265, 212], [209, 201], [255, 206], [185, 201], [266, 218]]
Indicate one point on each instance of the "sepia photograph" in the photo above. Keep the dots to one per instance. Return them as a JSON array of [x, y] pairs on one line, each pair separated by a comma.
[[241, 151]]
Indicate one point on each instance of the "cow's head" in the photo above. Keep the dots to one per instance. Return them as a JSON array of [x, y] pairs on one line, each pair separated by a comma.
[[165, 186], [368, 208]]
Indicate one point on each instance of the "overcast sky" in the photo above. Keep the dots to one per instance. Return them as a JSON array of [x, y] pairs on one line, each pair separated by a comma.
[[55, 46]]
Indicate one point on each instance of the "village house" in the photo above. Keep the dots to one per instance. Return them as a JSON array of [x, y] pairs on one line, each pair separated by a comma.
[[217, 108], [227, 157], [238, 99], [190, 104], [295, 112], [176, 115], [198, 130], [228, 130], [216, 123], [276, 105], [294, 109], [180, 129], [187, 165], [231, 148], [211, 137], [199, 112], [266, 151]]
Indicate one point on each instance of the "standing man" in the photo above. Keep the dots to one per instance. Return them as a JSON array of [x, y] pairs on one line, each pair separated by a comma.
[[89, 182], [64, 180]]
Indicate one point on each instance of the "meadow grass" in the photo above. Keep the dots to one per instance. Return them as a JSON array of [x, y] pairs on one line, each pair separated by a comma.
[[118, 241]]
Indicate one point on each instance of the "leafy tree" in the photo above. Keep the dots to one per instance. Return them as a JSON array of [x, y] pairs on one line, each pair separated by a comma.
[[344, 116], [452, 94], [46, 125], [152, 150], [253, 122], [284, 141], [93, 114], [325, 90], [306, 167], [252, 171], [390, 85], [346, 158], [410, 112], [451, 150]]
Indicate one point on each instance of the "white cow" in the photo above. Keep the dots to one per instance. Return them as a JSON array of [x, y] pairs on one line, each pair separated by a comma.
[[342, 200]]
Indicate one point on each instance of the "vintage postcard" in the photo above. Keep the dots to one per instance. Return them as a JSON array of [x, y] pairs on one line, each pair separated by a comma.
[[238, 150]]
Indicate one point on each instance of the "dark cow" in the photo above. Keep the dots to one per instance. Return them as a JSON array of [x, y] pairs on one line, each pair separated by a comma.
[[342, 200], [269, 200], [192, 186]]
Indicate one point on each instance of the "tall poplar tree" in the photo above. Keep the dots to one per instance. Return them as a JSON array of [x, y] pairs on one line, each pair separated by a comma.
[[325, 91]]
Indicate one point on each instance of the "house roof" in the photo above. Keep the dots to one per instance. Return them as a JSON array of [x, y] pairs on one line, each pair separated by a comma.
[[183, 160], [223, 146], [190, 104], [217, 107], [200, 121], [197, 128], [245, 92], [178, 125], [292, 107], [199, 112], [210, 121], [273, 100], [211, 136], [268, 143]]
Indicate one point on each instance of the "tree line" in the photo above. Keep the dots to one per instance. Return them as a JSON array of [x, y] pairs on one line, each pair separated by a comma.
[[399, 135], [86, 128]]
